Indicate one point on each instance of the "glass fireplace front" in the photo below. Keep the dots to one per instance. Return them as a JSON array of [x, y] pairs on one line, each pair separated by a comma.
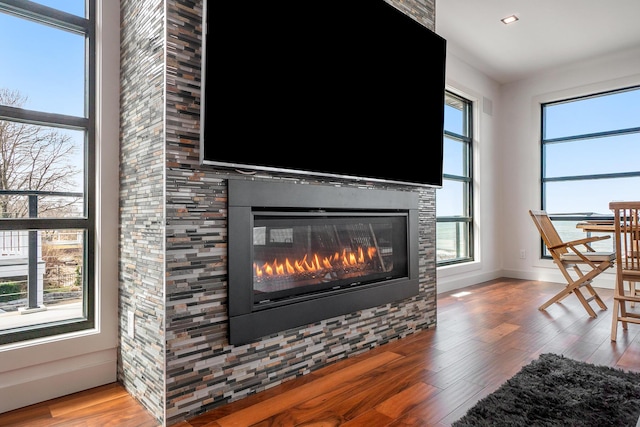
[[307, 253]]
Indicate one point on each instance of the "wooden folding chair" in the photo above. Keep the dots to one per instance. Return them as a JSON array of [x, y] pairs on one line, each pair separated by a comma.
[[571, 261], [627, 235]]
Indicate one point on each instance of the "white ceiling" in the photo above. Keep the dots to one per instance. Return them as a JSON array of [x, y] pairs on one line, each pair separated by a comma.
[[550, 33]]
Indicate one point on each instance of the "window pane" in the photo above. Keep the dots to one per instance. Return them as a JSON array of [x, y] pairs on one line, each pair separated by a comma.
[[41, 159], [455, 157], [56, 293], [75, 7], [452, 199], [611, 154], [568, 232], [453, 117], [589, 197], [452, 238], [44, 180], [38, 51], [602, 113]]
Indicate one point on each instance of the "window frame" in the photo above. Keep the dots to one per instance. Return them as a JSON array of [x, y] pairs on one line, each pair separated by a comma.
[[545, 142], [464, 220], [84, 26]]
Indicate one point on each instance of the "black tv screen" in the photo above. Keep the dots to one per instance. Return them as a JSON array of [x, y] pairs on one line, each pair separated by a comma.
[[347, 88]]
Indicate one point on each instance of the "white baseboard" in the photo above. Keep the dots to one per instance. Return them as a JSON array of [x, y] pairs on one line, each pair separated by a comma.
[[453, 282], [31, 385], [605, 280]]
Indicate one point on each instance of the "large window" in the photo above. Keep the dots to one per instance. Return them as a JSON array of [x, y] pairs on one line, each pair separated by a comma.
[[590, 151], [47, 212], [454, 207]]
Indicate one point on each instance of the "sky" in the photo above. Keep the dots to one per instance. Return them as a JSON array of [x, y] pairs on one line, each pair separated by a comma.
[[36, 50], [45, 65]]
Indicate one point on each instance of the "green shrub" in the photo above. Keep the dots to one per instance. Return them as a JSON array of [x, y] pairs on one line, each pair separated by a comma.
[[78, 279], [10, 291]]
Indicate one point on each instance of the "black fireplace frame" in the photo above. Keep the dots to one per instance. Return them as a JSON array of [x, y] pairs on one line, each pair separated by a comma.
[[249, 321]]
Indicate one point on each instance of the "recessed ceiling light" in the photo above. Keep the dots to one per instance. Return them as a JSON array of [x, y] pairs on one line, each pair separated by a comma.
[[509, 19]]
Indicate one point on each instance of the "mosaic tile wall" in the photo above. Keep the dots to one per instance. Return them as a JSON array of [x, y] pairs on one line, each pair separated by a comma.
[[185, 337], [142, 203]]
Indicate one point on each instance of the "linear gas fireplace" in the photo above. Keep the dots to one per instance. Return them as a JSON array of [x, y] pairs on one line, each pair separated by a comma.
[[301, 253]]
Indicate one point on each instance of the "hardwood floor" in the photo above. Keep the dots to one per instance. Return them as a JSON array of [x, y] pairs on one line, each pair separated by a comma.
[[428, 379], [108, 405]]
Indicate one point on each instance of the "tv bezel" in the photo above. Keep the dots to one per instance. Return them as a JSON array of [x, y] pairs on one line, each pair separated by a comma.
[[255, 169]]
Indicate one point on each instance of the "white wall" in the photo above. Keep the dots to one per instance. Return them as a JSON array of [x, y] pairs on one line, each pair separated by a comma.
[[508, 173], [39, 370], [485, 95], [520, 136]]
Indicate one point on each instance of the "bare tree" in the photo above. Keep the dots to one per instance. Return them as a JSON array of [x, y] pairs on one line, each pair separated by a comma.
[[37, 158]]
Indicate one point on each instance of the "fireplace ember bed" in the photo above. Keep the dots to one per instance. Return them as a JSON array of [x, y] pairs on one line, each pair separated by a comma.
[[301, 253]]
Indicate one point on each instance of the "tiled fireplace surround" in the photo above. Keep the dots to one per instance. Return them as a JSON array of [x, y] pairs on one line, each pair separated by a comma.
[[173, 238]]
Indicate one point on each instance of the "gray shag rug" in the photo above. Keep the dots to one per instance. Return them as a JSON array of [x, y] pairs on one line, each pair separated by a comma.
[[557, 391]]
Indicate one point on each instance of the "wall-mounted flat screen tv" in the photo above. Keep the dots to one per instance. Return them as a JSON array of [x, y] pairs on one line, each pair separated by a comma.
[[343, 88]]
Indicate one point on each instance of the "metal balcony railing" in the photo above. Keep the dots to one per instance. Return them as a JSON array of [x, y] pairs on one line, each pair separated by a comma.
[[18, 242]]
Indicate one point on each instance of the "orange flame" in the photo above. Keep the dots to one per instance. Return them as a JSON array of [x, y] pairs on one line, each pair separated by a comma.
[[315, 263]]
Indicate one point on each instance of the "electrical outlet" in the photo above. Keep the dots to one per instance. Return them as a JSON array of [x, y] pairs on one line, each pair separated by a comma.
[[131, 324], [523, 254]]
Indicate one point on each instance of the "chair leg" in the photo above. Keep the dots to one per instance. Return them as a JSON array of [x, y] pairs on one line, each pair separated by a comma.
[[595, 296], [614, 319], [585, 302], [623, 314], [619, 309], [632, 292], [573, 286], [585, 280], [556, 298]]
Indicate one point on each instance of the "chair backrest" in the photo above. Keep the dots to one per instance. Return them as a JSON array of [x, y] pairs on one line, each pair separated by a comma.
[[548, 232], [627, 236]]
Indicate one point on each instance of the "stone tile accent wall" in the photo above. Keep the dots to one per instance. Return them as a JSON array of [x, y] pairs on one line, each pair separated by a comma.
[[180, 363], [141, 365]]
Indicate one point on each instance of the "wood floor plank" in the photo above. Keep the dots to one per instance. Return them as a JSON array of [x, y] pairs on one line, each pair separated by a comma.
[[25, 416], [471, 400], [122, 411], [207, 419], [372, 389], [438, 405], [368, 419], [84, 401], [494, 334], [630, 360], [262, 410], [404, 401]]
